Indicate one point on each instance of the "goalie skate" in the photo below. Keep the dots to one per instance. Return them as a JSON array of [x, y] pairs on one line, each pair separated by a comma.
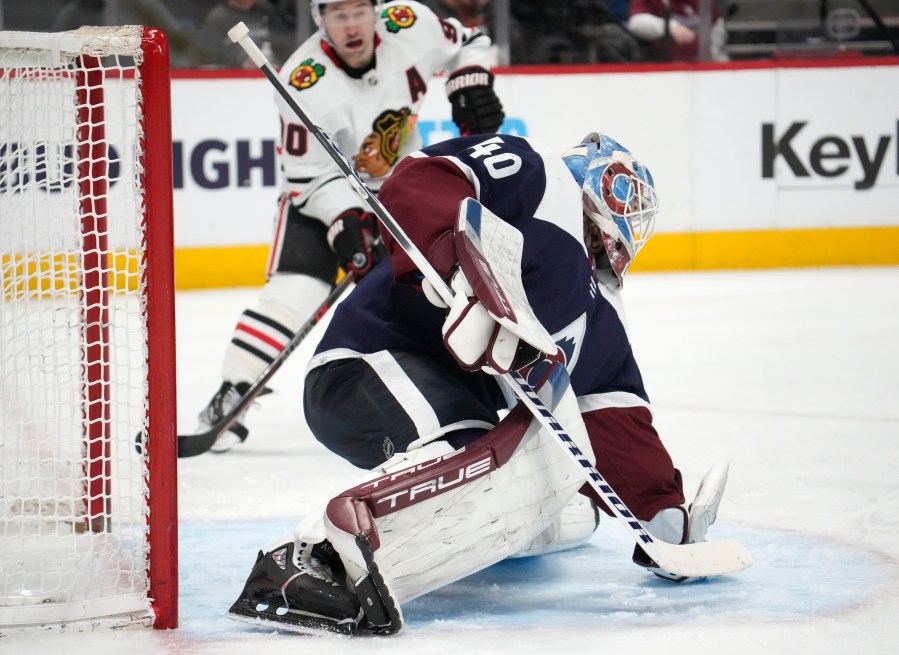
[[301, 592]]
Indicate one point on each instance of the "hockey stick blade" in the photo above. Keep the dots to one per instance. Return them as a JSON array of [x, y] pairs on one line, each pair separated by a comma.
[[690, 562], [706, 558], [192, 445]]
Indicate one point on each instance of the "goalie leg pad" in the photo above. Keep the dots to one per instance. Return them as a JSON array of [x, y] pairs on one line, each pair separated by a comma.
[[445, 518], [573, 527]]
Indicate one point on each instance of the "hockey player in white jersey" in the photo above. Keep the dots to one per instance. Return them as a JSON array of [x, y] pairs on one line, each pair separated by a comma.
[[363, 77], [399, 370]]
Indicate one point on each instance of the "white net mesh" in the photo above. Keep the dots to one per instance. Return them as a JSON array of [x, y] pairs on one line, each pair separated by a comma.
[[73, 334]]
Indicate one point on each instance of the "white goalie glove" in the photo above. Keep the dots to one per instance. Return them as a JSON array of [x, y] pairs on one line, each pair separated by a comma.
[[474, 337], [490, 325]]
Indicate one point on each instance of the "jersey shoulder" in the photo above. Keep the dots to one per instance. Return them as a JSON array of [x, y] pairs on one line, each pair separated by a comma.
[[414, 23], [498, 158], [312, 73], [516, 177]]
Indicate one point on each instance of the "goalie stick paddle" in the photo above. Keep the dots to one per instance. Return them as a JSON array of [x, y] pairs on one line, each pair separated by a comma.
[[689, 560], [196, 444]]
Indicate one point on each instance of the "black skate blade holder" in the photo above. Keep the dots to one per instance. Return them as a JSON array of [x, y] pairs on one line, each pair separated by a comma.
[[379, 607]]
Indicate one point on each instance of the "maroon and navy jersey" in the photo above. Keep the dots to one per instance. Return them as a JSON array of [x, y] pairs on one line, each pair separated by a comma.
[[530, 188], [533, 190]]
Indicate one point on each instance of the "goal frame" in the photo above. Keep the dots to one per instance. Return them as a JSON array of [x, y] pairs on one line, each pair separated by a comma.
[[162, 441], [157, 270]]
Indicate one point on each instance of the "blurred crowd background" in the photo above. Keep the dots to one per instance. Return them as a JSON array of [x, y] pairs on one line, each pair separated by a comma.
[[525, 32]]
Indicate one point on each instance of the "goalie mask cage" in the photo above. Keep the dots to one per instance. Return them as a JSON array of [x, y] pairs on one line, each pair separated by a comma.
[[88, 526]]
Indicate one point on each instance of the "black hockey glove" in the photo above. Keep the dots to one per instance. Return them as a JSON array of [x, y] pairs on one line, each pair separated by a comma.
[[476, 109], [353, 236]]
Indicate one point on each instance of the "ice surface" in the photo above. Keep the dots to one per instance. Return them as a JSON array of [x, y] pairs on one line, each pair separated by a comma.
[[792, 376]]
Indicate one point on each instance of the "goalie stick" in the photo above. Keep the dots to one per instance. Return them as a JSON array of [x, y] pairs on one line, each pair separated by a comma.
[[688, 560], [196, 444]]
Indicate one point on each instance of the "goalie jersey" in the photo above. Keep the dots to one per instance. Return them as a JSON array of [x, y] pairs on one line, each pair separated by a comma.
[[530, 188], [370, 115]]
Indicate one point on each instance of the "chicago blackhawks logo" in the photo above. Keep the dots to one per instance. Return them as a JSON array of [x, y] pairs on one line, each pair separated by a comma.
[[380, 149], [306, 74], [398, 18]]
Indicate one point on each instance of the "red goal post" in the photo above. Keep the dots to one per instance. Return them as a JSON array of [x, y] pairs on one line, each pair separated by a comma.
[[88, 530]]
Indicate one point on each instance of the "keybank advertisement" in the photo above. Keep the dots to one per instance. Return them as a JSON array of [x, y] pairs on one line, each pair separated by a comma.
[[733, 149]]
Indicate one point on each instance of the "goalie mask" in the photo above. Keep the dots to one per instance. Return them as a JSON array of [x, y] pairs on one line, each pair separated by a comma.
[[618, 197]]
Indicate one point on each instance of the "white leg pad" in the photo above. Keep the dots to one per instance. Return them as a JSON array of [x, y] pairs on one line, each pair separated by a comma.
[[445, 518], [312, 528], [572, 528]]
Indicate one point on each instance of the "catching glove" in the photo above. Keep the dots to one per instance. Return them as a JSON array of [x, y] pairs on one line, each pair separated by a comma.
[[476, 109], [473, 337], [353, 236]]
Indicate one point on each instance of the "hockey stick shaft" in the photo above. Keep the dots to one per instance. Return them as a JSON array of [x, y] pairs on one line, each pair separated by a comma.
[[686, 560], [197, 444]]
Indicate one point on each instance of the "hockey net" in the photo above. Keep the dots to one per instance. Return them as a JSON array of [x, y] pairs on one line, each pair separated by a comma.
[[88, 525]]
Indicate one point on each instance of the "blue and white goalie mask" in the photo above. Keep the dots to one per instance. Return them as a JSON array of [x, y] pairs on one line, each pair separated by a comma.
[[618, 196]]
